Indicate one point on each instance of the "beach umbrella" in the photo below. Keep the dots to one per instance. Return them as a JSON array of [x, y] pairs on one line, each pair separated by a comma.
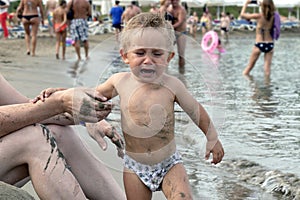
[[194, 3], [140, 2]]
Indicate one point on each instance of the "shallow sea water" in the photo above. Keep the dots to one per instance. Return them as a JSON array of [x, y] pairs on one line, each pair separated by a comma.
[[258, 119]]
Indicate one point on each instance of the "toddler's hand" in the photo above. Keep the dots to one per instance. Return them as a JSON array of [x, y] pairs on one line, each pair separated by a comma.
[[216, 148], [45, 94]]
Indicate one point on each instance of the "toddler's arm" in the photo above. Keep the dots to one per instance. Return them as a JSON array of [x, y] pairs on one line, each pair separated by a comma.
[[201, 118]]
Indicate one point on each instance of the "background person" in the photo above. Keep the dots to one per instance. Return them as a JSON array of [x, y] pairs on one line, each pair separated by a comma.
[[163, 10], [192, 22], [116, 14], [179, 24], [154, 8], [264, 42], [204, 20], [50, 7], [60, 25], [54, 157], [31, 21], [79, 26], [3, 17], [225, 25], [130, 11]]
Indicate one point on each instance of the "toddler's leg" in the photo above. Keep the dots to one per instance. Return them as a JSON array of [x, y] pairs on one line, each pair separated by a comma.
[[176, 183], [134, 187]]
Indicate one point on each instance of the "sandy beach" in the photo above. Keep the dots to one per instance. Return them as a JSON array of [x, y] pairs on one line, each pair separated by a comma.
[[30, 75]]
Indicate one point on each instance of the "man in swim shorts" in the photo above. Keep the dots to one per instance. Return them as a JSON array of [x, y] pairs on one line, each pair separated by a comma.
[[79, 26]]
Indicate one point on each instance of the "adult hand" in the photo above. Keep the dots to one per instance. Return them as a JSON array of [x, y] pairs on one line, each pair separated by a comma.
[[216, 148], [84, 104], [101, 129]]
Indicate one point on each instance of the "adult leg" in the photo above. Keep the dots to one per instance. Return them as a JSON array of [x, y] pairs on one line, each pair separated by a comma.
[[176, 184], [253, 58], [94, 178], [34, 30], [3, 18], [86, 49], [194, 31], [26, 25], [181, 43], [134, 187], [227, 34], [33, 151], [203, 30], [63, 40], [77, 49], [267, 62]]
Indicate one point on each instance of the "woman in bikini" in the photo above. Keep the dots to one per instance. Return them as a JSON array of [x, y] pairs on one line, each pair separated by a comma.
[[31, 20], [263, 41], [204, 23]]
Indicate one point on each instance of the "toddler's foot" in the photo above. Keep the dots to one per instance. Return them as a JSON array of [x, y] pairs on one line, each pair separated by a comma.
[[57, 56]]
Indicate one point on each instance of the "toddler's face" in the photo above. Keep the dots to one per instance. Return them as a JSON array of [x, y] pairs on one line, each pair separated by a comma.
[[148, 55]]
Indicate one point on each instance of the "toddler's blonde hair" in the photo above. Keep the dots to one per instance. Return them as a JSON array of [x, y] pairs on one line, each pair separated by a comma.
[[144, 21]]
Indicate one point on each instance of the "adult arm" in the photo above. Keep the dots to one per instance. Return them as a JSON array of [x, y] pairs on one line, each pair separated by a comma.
[[20, 8], [246, 15], [40, 4], [16, 116], [96, 130], [6, 5], [83, 104], [89, 11], [9, 95]]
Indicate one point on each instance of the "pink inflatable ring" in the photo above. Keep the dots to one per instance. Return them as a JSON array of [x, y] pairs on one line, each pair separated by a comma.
[[210, 41]]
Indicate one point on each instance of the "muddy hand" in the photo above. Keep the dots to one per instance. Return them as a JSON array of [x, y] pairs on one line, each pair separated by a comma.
[[101, 129], [84, 106]]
